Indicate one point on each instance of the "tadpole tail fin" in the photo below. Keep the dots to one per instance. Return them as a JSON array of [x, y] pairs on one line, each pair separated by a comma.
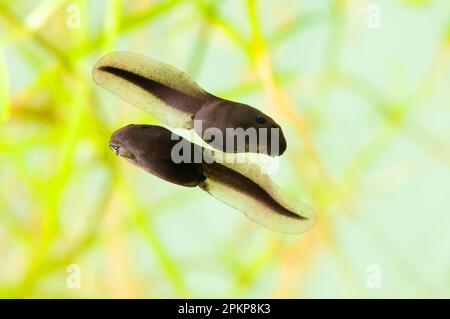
[[159, 89], [245, 188]]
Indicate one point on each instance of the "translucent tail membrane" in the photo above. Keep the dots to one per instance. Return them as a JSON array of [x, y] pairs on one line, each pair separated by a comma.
[[245, 188], [159, 89]]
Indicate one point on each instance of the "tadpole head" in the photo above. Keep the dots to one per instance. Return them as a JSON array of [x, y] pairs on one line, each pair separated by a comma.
[[130, 141], [274, 142], [238, 121], [150, 148]]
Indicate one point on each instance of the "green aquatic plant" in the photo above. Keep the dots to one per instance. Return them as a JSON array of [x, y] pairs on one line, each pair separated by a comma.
[[365, 112]]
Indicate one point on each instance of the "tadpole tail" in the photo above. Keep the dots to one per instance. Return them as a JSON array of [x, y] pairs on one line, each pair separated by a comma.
[[245, 188], [159, 89]]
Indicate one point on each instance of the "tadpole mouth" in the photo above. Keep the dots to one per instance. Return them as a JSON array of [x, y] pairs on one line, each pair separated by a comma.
[[122, 151], [115, 148], [283, 144]]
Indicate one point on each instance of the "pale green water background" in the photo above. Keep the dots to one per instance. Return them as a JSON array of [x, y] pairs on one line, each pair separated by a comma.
[[365, 112]]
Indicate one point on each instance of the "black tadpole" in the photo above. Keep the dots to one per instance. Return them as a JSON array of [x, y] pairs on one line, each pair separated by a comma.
[[171, 96], [240, 185]]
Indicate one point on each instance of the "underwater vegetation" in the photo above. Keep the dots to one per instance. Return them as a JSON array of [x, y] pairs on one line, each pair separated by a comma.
[[360, 89]]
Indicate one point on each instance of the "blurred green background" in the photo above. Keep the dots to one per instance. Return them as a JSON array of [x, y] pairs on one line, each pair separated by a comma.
[[361, 88]]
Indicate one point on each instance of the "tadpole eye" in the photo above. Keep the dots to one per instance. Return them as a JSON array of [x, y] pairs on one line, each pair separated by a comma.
[[260, 120]]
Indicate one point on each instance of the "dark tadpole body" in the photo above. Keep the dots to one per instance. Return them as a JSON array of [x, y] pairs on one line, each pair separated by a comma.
[[243, 120], [174, 98], [239, 186], [150, 147]]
